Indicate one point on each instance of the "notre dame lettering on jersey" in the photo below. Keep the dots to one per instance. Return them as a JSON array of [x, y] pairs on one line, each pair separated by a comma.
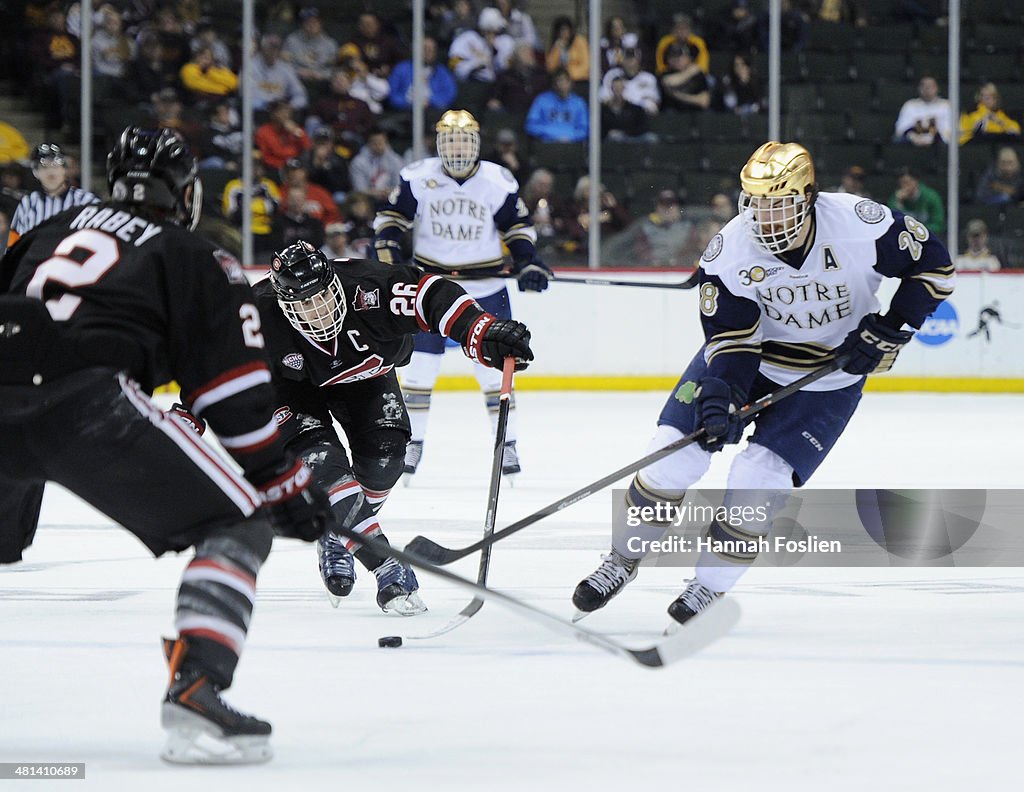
[[386, 306]]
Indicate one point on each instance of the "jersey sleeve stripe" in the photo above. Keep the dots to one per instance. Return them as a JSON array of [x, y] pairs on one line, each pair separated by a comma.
[[421, 290], [251, 441], [453, 313], [710, 355], [229, 384]]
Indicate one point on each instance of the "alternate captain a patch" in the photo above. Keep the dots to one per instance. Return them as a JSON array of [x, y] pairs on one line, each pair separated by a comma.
[[366, 300]]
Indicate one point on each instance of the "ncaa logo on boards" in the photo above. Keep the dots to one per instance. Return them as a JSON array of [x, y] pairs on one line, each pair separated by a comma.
[[940, 327]]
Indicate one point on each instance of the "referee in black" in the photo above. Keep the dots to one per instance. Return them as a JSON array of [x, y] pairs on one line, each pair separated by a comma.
[[49, 166]]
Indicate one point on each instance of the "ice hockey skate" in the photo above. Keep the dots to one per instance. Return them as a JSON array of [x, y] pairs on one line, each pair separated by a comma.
[[201, 727], [413, 454], [695, 599], [396, 589], [337, 567], [597, 589]]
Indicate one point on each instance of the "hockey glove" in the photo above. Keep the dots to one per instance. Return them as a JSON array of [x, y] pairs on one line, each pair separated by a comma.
[[389, 251], [490, 341], [185, 416], [716, 414], [532, 275], [873, 346], [297, 507]]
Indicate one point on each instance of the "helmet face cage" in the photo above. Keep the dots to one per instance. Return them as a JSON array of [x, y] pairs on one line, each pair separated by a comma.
[[778, 191], [308, 291], [458, 142]]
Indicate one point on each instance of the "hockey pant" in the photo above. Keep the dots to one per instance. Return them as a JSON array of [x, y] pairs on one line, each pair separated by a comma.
[[98, 435]]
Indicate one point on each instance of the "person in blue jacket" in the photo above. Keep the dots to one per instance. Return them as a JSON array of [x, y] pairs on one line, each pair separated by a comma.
[[559, 116], [440, 84]]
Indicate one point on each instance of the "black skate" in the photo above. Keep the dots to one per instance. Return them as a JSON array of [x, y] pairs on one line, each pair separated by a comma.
[[695, 599], [396, 589], [413, 455], [201, 727], [596, 590], [337, 567], [510, 459]]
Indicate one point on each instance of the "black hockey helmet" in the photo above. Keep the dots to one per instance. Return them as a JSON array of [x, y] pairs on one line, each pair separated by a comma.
[[155, 168], [308, 291], [48, 154]]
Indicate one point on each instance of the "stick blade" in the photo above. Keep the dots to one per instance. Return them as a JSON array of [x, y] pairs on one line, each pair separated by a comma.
[[429, 550], [697, 634]]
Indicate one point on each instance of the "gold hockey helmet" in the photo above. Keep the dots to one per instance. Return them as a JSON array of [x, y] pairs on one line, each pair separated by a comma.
[[778, 191], [458, 142]]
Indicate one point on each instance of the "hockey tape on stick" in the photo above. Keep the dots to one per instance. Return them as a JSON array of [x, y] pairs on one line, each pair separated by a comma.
[[439, 554]]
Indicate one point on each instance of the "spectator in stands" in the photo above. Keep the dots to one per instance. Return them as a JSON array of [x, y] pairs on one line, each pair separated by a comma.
[[481, 54], [621, 119], [190, 12], [336, 243], [740, 90], [311, 51], [988, 121], [457, 20], [682, 34], [559, 116], [518, 24], [168, 111], [845, 12], [616, 40], [207, 36], [612, 216], [429, 146], [547, 210], [977, 257], [439, 85], [925, 120], [266, 198], [723, 207], [379, 49], [205, 80], [920, 201], [222, 147], [734, 28], [641, 86], [1002, 182], [663, 238], [174, 41], [13, 187], [375, 169], [54, 56], [349, 117], [296, 188], [364, 84], [506, 153], [280, 138], [684, 87], [274, 79], [325, 166], [360, 210], [852, 182], [112, 50], [148, 72], [795, 28], [13, 146], [521, 83], [569, 51]]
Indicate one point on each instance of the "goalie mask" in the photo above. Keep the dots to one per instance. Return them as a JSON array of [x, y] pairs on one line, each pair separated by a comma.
[[458, 142], [308, 291], [155, 168], [778, 191]]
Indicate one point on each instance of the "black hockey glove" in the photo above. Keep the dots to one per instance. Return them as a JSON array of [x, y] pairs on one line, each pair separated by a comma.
[[389, 251], [532, 275], [297, 507], [873, 346], [715, 407], [490, 341], [183, 414]]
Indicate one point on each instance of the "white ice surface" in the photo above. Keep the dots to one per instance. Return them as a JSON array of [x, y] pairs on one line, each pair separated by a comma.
[[908, 679]]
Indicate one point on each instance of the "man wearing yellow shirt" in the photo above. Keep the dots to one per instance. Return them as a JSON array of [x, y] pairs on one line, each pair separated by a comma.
[[682, 32], [203, 77], [988, 119]]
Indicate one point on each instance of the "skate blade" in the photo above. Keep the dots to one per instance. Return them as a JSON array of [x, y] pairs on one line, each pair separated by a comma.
[[193, 741], [334, 599], [579, 615], [407, 605]]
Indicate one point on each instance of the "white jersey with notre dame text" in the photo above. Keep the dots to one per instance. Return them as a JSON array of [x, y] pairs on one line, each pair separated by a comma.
[[794, 316], [459, 227]]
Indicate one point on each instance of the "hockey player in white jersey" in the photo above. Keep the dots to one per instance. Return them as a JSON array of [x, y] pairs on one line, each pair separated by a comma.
[[461, 211], [787, 286]]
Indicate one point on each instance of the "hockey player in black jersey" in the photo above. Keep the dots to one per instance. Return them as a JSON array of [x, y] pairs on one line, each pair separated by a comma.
[[335, 331], [97, 307]]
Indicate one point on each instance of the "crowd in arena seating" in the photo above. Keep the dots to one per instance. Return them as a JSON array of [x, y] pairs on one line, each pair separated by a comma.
[[683, 102]]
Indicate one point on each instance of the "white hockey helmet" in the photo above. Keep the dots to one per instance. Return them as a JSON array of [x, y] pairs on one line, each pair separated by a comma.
[[778, 192], [458, 142]]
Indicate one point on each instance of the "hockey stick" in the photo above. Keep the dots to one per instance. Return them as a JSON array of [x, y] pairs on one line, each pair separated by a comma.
[[689, 283], [439, 554], [492, 504], [699, 632]]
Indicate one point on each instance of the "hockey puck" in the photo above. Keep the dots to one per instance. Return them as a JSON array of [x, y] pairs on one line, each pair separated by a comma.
[[389, 640]]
